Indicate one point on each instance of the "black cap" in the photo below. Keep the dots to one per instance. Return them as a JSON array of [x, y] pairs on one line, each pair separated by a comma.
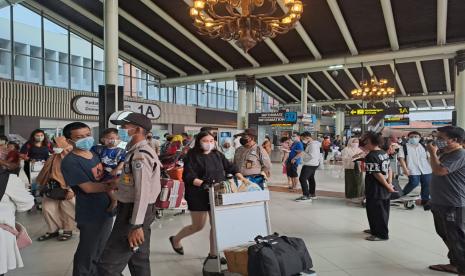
[[137, 119], [249, 132]]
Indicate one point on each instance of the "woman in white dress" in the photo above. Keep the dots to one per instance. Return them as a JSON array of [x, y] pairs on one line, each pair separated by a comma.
[[15, 199]]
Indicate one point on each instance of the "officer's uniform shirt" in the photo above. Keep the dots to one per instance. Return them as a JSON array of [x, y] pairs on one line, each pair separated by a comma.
[[250, 161], [140, 182]]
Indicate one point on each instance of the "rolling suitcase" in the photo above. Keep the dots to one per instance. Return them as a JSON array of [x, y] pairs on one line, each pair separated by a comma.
[[276, 255], [171, 195]]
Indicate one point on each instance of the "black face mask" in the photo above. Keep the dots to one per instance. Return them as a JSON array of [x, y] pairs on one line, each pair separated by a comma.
[[243, 141]]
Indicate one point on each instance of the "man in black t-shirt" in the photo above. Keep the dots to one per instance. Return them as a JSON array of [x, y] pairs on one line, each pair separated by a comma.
[[378, 186]]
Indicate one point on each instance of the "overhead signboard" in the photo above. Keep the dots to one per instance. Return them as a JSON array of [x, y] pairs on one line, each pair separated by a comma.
[[395, 121], [281, 117], [379, 111], [89, 106]]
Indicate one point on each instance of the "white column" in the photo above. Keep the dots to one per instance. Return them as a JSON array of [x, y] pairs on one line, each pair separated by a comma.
[[241, 102], [364, 119], [340, 120], [303, 94], [111, 44], [251, 104], [7, 124], [460, 88]]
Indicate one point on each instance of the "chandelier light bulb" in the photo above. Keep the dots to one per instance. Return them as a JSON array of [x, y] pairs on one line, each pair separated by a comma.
[[297, 7], [286, 20], [193, 12], [199, 4], [289, 2]]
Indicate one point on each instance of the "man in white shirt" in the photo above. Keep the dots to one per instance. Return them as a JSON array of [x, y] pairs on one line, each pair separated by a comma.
[[414, 160], [311, 161]]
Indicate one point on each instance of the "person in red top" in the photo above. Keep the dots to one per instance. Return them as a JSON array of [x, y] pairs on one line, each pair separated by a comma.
[[11, 162]]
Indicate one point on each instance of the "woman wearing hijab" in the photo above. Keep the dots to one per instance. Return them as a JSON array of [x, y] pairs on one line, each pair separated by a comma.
[[228, 149], [353, 174], [58, 213]]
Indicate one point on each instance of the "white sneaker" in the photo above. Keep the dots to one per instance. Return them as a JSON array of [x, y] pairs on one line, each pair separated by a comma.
[[313, 197]]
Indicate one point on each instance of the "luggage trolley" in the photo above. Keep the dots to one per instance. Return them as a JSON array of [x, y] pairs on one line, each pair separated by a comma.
[[229, 213]]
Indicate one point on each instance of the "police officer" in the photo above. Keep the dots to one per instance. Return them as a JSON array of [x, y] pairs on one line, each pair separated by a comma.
[[138, 189]]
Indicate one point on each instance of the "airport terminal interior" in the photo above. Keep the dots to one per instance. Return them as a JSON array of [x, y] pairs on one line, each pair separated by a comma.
[[339, 125]]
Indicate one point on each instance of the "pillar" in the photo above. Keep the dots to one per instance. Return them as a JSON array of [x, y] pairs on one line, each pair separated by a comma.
[[340, 120], [303, 94], [111, 41], [241, 101], [110, 98], [460, 88], [364, 119], [250, 89]]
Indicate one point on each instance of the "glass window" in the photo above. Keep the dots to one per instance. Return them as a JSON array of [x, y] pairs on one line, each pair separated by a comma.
[[171, 94], [164, 94], [181, 94], [138, 83], [212, 97], [202, 94], [81, 63], [99, 67], [56, 55], [153, 93], [191, 92], [28, 45], [5, 43]]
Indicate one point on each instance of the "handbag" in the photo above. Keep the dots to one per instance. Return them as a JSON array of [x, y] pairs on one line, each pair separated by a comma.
[[22, 237], [53, 190]]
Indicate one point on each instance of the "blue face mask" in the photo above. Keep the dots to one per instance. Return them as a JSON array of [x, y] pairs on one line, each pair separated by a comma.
[[414, 141], [124, 135], [85, 143]]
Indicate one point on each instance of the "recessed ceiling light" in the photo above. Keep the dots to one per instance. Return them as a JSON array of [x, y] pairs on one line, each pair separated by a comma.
[[208, 80]]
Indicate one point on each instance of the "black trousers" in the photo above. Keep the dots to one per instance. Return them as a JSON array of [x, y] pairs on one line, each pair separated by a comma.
[[118, 254], [378, 216], [92, 239], [307, 180], [450, 226]]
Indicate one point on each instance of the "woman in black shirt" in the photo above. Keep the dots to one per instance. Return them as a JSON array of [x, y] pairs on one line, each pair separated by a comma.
[[203, 165], [378, 186], [37, 148]]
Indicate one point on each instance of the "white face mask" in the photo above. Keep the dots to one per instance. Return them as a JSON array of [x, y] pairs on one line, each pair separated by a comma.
[[57, 150], [207, 147]]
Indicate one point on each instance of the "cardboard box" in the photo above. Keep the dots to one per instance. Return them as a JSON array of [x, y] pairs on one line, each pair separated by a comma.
[[238, 259]]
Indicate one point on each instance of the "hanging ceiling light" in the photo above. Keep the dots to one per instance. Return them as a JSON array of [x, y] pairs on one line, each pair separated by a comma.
[[373, 90], [240, 20]]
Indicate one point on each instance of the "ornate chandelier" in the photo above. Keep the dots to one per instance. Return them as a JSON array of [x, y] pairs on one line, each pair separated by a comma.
[[239, 22], [373, 90]]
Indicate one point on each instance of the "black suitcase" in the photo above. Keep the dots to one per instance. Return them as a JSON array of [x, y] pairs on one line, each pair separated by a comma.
[[276, 255]]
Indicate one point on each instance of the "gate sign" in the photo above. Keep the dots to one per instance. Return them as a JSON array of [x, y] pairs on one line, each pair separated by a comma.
[[89, 106], [395, 121], [379, 111]]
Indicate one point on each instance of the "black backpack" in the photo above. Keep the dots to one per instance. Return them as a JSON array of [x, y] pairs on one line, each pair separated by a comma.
[[276, 255]]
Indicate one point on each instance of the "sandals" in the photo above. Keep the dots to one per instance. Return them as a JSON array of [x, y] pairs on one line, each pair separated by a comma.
[[444, 268], [65, 236], [48, 236], [223, 260], [179, 250]]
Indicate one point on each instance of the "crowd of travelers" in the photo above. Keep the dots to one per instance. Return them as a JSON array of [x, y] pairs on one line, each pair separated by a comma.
[[108, 191]]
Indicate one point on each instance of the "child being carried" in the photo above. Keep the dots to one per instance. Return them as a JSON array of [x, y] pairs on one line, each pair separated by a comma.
[[112, 158]]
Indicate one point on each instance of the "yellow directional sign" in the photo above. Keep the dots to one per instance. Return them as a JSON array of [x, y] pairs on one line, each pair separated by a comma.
[[379, 111]]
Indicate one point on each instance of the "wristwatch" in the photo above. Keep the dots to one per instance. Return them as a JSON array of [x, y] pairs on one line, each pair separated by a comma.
[[137, 226]]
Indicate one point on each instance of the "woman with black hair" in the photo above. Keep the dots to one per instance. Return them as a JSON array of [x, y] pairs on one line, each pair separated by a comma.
[[203, 165], [37, 148], [378, 187]]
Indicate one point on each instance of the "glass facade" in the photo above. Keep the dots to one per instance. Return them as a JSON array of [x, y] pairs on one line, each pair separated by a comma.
[[37, 49]]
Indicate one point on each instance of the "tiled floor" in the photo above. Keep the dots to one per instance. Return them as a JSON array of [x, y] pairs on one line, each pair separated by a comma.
[[331, 228]]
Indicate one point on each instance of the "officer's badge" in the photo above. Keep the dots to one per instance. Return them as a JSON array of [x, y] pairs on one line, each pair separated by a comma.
[[138, 165]]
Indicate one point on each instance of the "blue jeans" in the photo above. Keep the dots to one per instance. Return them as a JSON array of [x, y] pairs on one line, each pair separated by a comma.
[[414, 180]]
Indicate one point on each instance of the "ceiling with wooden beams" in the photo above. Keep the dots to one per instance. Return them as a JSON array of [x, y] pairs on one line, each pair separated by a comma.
[[167, 41]]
